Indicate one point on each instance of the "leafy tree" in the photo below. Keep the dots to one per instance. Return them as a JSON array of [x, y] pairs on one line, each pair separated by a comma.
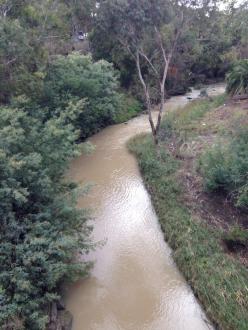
[[73, 78], [18, 61], [30, 32], [133, 24], [236, 28], [81, 14]]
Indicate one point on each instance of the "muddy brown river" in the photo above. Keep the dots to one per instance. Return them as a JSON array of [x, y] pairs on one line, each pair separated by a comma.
[[134, 285]]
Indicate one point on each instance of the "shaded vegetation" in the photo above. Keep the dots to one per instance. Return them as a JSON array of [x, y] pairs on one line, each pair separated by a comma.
[[237, 79], [236, 238], [92, 89], [50, 98]]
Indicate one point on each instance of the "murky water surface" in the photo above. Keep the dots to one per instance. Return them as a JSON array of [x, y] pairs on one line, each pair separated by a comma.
[[135, 284]]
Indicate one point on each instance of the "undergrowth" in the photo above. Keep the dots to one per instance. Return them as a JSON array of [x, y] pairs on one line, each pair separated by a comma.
[[225, 167], [129, 108], [186, 121], [219, 282]]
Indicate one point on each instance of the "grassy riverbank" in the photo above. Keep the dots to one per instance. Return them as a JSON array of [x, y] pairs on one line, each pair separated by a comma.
[[218, 279]]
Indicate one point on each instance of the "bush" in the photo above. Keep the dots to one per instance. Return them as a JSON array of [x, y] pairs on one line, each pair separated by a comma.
[[74, 80], [225, 167], [41, 228], [237, 79], [129, 108]]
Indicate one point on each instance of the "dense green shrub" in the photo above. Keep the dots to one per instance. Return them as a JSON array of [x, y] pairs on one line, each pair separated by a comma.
[[129, 108], [237, 79], [71, 79], [41, 228], [225, 167]]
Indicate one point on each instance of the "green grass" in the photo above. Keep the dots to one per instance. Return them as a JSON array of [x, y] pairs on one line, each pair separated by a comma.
[[186, 121], [219, 282]]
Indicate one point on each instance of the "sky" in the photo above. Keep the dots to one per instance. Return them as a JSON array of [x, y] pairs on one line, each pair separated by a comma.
[[237, 3]]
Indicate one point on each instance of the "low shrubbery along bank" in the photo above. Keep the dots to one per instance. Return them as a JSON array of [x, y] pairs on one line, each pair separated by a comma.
[[225, 168], [219, 280]]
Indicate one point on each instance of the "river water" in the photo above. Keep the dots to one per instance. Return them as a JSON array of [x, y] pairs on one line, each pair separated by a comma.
[[134, 285]]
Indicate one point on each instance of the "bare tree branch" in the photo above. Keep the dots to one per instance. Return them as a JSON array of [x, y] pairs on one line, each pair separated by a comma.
[[149, 61], [147, 94], [10, 61], [128, 48], [167, 60], [160, 42], [5, 8]]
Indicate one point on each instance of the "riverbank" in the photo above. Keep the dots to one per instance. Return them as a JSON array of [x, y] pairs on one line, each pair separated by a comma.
[[134, 283], [218, 279]]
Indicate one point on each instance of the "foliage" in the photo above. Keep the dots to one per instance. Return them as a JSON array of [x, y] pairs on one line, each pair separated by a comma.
[[81, 14], [236, 28], [129, 108], [30, 32], [209, 38], [75, 81], [225, 167], [119, 39], [150, 31], [16, 60], [41, 228], [48, 96], [197, 250], [237, 79]]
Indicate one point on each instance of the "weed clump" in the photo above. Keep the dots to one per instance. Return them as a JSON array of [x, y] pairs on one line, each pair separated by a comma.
[[236, 239], [224, 167]]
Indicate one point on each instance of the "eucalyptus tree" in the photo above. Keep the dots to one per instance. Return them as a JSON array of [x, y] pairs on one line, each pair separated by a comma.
[[81, 14]]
